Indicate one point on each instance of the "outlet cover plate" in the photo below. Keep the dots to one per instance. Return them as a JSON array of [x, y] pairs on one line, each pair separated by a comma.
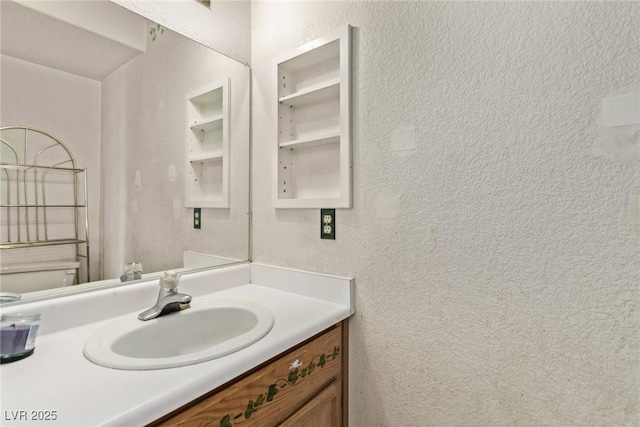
[[197, 218], [328, 224]]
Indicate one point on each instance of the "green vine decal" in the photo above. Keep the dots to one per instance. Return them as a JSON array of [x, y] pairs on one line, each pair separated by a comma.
[[295, 377], [156, 31]]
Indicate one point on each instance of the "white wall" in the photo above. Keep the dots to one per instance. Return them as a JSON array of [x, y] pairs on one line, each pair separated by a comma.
[[505, 291], [143, 140], [225, 26], [66, 106]]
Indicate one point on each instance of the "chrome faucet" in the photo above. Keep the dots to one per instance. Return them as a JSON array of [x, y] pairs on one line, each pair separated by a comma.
[[169, 299]]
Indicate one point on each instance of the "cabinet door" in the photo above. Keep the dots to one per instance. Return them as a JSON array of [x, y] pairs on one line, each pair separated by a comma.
[[321, 411], [274, 392]]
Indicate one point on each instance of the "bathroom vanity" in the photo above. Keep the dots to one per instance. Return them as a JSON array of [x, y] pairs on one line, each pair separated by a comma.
[[303, 386], [294, 375]]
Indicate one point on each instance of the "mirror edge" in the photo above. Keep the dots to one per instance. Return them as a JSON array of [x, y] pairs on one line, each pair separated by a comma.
[[112, 284]]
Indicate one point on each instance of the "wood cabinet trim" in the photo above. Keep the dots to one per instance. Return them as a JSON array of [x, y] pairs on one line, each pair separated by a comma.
[[345, 373]]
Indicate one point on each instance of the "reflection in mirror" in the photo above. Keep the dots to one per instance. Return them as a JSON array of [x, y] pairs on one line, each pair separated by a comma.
[[155, 124]]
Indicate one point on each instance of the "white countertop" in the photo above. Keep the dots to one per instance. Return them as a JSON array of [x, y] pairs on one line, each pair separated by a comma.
[[57, 377]]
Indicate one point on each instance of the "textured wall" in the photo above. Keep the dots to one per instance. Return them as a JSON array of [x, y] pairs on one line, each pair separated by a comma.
[[68, 107], [505, 292], [143, 133]]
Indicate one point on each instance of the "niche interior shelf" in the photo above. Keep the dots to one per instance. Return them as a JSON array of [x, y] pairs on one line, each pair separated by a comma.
[[206, 157], [312, 141], [207, 146], [208, 125], [313, 150], [319, 92]]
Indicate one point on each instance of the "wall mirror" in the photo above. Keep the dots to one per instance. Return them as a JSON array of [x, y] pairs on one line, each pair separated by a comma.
[[157, 126]]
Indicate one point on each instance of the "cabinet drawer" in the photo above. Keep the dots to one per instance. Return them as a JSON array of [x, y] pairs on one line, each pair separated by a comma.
[[271, 394]]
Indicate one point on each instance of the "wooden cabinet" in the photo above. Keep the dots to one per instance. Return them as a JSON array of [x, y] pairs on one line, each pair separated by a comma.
[[207, 147], [312, 162], [322, 411], [301, 387]]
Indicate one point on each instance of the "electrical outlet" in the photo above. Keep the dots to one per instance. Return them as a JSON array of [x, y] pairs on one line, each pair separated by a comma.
[[197, 218], [328, 224]]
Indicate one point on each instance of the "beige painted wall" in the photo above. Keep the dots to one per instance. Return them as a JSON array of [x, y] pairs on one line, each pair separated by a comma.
[[505, 291]]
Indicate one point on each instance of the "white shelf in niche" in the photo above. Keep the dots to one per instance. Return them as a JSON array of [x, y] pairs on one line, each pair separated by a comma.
[[208, 124], [207, 146], [318, 92], [206, 157], [312, 141], [312, 154]]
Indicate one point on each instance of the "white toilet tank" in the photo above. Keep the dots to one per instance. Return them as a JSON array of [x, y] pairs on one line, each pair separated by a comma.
[[37, 276]]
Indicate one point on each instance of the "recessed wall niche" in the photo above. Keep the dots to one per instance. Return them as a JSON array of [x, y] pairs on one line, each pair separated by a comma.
[[313, 152], [207, 146]]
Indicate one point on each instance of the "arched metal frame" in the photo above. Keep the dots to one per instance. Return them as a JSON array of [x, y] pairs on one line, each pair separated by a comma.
[[17, 173]]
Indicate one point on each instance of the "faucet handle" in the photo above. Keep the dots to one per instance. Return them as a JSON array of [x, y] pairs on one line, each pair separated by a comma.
[[169, 280]]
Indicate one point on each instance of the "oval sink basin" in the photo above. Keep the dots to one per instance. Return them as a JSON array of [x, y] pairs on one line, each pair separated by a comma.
[[207, 330]]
